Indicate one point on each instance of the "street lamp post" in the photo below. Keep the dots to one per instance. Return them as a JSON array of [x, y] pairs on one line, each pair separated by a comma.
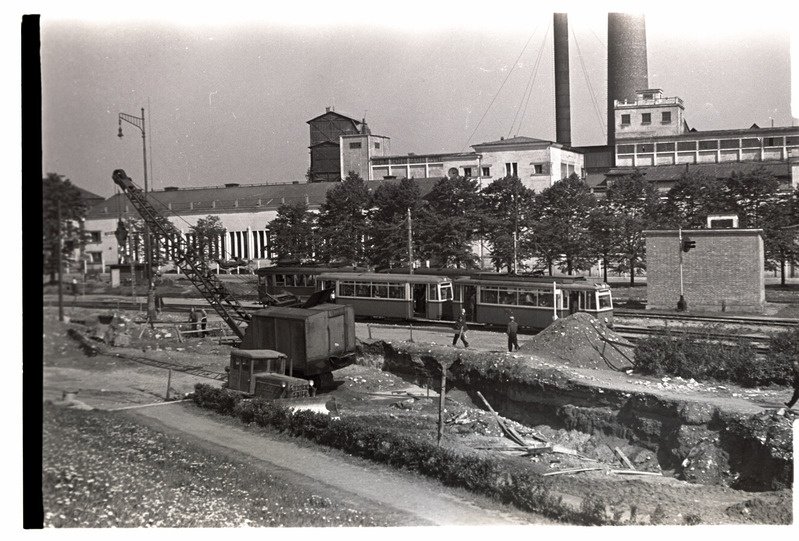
[[148, 266]]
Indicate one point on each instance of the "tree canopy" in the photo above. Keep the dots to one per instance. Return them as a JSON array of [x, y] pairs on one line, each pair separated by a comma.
[[59, 195]]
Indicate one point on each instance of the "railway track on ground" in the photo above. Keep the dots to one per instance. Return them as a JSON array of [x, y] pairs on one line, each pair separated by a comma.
[[706, 319], [91, 348]]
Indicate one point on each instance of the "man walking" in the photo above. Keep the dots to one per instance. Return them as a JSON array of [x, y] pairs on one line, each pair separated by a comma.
[[460, 329], [513, 328]]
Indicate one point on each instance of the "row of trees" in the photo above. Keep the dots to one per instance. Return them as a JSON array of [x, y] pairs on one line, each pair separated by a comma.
[[565, 226]]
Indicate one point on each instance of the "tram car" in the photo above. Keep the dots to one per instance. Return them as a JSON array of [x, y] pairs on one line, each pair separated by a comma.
[[391, 296], [535, 302], [299, 280]]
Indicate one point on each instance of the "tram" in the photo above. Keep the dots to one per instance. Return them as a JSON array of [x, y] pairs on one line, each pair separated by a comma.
[[391, 296], [299, 280], [535, 302]]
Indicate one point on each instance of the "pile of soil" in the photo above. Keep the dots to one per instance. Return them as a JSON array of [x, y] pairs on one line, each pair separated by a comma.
[[580, 341]]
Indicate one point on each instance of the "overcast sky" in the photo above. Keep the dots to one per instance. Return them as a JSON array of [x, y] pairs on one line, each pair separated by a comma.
[[227, 97]]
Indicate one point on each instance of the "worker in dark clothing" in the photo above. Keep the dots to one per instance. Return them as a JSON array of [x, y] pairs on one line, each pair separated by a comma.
[[194, 317], [203, 322], [513, 328], [795, 397], [460, 330]]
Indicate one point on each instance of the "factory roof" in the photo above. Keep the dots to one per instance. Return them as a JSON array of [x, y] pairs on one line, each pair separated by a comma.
[[232, 198]]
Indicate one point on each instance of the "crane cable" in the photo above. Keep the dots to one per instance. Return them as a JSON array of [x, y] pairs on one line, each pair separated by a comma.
[[496, 94], [591, 92], [528, 91]]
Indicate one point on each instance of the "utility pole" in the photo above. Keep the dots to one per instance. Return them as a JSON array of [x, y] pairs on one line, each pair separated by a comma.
[[148, 266], [60, 248], [410, 243], [681, 304]]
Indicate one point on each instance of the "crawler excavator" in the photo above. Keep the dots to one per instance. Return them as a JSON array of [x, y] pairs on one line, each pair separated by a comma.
[[283, 351]]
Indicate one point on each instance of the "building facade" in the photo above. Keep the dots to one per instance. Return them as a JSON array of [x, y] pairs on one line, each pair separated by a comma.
[[245, 212], [722, 271], [327, 146], [652, 131]]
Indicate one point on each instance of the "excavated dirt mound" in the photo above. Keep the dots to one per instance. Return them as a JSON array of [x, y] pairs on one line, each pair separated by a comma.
[[581, 341]]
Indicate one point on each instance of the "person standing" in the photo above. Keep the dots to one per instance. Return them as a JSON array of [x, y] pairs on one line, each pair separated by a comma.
[[203, 322], [513, 328], [460, 329], [193, 318], [795, 397]]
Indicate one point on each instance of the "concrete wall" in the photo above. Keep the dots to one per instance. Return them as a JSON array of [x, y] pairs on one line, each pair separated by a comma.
[[723, 271]]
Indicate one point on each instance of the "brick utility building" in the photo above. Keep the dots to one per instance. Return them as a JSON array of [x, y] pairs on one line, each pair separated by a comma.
[[723, 271]]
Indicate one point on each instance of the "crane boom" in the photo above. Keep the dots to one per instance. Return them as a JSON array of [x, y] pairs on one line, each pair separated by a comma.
[[188, 261]]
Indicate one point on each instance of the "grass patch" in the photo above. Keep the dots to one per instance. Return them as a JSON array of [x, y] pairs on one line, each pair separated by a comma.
[[103, 470]]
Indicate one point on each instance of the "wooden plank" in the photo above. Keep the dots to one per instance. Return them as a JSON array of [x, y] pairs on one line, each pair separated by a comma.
[[180, 336], [508, 430], [565, 472], [636, 472], [624, 458]]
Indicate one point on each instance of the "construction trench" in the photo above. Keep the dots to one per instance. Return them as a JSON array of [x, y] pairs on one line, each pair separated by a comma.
[[703, 440]]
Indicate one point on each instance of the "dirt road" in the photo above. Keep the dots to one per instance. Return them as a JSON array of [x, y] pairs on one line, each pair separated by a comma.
[[347, 478]]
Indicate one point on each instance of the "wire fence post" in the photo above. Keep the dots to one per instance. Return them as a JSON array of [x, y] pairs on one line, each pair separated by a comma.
[[168, 383], [410, 328], [369, 328]]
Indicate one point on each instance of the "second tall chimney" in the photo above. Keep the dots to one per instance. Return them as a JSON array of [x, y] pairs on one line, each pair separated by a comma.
[[627, 64]]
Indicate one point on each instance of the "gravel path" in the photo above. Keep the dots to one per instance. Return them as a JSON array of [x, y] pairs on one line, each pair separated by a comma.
[[351, 478]]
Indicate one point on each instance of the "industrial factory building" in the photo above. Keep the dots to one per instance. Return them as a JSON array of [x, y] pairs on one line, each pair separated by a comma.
[[647, 131]]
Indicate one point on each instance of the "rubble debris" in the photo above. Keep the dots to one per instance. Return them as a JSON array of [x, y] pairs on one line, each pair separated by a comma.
[[581, 341]]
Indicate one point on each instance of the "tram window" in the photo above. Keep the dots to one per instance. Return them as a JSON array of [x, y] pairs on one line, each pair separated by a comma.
[[528, 298], [446, 292], [605, 300], [380, 291], [507, 296], [546, 299], [279, 280], [347, 289], [396, 291], [289, 280], [489, 295], [432, 292], [310, 280], [589, 302], [363, 290]]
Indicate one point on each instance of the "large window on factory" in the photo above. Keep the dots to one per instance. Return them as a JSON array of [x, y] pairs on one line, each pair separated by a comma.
[[665, 117], [512, 169], [646, 118], [625, 120]]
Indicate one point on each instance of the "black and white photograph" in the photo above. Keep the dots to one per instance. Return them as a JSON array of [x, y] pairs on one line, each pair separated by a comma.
[[409, 269]]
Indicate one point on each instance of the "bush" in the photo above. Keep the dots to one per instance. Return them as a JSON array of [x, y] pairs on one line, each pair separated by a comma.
[[783, 348], [495, 477], [701, 357]]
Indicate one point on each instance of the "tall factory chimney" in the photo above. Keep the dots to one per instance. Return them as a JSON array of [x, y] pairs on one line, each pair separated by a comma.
[[563, 131], [627, 65]]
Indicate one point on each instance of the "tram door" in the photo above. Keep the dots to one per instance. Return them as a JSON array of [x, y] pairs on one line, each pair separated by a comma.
[[470, 302], [574, 301], [420, 300]]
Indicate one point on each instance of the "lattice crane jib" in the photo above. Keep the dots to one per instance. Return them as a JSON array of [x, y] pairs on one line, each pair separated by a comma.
[[191, 265]]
